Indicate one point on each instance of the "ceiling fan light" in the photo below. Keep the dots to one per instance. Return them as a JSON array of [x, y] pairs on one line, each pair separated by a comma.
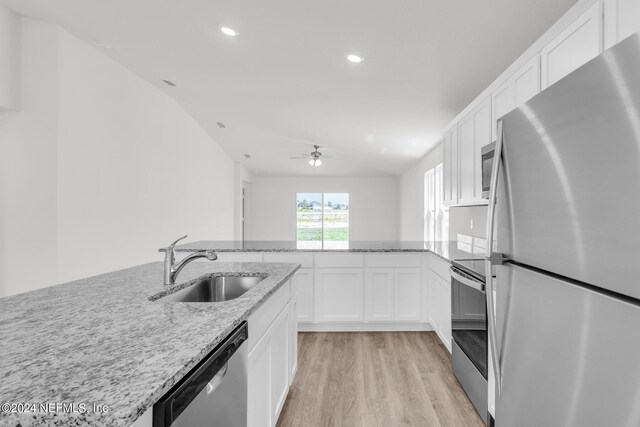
[[315, 162]]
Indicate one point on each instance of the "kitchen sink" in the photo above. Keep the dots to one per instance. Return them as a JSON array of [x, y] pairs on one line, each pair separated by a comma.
[[214, 289]]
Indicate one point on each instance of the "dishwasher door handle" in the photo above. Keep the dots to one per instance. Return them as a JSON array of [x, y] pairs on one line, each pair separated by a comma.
[[217, 380]]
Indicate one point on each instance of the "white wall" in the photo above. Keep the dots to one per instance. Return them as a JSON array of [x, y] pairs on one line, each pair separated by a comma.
[[373, 206], [9, 59], [102, 169], [28, 139], [412, 195]]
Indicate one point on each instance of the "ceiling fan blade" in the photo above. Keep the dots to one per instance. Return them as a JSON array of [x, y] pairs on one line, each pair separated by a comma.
[[299, 157], [328, 157]]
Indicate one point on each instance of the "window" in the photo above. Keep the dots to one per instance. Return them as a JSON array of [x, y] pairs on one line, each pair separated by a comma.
[[436, 215], [322, 220]]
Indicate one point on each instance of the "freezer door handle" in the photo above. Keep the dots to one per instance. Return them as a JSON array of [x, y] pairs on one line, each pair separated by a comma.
[[491, 320]]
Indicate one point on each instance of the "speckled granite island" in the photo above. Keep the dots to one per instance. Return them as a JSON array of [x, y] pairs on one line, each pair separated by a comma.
[[108, 340]]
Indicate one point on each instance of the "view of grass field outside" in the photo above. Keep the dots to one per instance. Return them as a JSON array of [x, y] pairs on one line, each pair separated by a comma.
[[322, 220]]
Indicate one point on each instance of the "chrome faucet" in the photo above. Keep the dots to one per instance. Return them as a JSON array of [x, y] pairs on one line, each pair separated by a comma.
[[171, 268]]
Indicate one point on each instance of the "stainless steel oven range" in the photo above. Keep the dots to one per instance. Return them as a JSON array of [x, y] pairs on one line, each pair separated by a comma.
[[469, 331]]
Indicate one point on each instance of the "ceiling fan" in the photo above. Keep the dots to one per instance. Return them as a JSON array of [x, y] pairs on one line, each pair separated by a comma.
[[315, 157]]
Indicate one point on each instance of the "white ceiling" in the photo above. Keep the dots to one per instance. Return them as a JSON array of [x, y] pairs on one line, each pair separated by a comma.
[[284, 84]]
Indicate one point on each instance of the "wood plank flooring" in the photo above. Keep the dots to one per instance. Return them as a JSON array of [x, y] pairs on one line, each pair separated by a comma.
[[383, 379]]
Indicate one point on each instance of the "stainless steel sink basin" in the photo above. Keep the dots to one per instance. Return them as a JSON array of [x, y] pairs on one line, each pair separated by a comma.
[[214, 289]]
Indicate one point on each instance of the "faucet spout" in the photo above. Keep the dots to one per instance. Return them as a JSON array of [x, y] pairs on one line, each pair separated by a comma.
[[172, 269]]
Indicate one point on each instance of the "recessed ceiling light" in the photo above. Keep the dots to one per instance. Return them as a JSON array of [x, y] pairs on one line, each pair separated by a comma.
[[355, 58], [170, 83], [221, 125], [229, 31]]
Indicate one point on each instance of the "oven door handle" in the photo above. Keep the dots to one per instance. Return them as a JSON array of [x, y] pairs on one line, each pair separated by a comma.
[[479, 286]]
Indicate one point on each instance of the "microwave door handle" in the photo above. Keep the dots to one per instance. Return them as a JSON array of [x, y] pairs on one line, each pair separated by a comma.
[[491, 320]]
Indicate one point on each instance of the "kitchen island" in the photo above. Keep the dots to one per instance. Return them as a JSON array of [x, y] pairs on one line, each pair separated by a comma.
[[111, 344]]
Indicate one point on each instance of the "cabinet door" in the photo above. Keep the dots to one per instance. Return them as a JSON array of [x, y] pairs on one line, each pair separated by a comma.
[[293, 339], [622, 19], [339, 294], [259, 385], [440, 308], [303, 279], [482, 137], [467, 170], [526, 82], [503, 102], [407, 295], [580, 42], [279, 364], [379, 294], [450, 171]]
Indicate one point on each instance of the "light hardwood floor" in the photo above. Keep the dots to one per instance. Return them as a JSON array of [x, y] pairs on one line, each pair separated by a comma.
[[381, 379]]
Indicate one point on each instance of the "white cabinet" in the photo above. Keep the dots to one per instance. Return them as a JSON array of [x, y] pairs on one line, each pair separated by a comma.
[[293, 339], [521, 87], [580, 42], [393, 294], [259, 385], [474, 133], [440, 308], [440, 299], [272, 357], [339, 294], [279, 364], [622, 19], [450, 166], [407, 295], [379, 294], [303, 281]]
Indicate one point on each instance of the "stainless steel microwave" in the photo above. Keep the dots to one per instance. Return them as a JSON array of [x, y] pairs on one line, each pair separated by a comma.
[[487, 164]]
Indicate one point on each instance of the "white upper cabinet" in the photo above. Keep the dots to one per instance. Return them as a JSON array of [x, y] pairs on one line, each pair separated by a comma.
[[622, 19], [450, 171], [521, 87], [474, 133], [580, 42]]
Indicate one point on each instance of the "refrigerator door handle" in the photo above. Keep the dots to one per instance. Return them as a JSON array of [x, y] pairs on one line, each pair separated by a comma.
[[491, 320]]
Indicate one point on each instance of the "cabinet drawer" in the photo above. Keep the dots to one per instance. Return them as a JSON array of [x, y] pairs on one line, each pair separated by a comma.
[[260, 321], [339, 260], [305, 260], [393, 260], [440, 267]]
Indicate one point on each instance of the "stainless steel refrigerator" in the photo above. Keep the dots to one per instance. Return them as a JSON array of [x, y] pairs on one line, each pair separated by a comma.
[[564, 213]]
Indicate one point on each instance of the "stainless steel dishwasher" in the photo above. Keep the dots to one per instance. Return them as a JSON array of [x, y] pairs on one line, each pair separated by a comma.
[[214, 393]]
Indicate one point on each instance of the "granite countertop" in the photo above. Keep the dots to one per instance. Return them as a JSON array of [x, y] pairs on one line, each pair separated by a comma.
[[101, 340], [448, 250]]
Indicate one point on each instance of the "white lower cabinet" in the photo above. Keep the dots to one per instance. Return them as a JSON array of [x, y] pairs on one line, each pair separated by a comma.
[[440, 299], [339, 294], [303, 280], [407, 295], [379, 294], [293, 338], [280, 337], [272, 354]]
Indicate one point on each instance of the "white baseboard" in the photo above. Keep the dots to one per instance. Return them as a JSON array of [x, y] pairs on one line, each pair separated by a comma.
[[363, 327]]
